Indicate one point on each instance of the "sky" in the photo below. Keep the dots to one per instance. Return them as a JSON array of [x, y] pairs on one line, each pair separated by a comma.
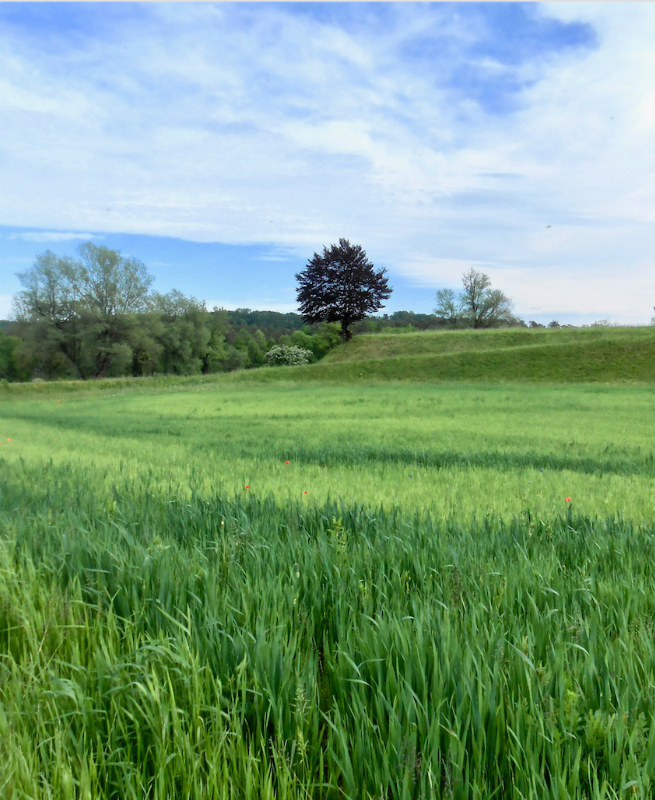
[[223, 144]]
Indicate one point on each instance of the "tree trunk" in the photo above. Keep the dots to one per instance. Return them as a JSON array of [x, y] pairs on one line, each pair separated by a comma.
[[103, 367]]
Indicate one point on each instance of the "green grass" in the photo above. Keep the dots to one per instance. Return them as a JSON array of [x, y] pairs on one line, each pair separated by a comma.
[[158, 646], [543, 356], [400, 343], [468, 451], [431, 619]]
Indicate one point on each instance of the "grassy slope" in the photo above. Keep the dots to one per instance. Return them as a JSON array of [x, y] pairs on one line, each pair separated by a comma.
[[594, 354], [448, 342]]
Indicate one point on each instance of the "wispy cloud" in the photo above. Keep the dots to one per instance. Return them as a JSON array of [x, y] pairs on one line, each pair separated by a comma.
[[437, 135], [51, 236]]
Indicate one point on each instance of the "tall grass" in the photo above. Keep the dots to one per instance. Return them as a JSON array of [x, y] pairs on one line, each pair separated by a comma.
[[431, 620], [162, 645], [451, 449]]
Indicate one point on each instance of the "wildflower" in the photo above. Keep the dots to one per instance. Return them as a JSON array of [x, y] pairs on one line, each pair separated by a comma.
[[247, 486], [568, 499], [8, 440], [286, 462], [304, 492]]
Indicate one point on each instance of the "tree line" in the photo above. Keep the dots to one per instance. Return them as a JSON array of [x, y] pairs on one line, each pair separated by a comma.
[[97, 316]]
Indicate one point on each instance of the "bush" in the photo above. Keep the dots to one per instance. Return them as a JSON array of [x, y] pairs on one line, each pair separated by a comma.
[[287, 355]]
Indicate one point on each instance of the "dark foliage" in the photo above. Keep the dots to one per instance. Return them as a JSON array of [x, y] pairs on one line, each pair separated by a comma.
[[272, 324], [341, 285], [399, 319]]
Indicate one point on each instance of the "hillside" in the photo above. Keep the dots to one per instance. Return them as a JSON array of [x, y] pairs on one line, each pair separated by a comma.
[[570, 355], [564, 355]]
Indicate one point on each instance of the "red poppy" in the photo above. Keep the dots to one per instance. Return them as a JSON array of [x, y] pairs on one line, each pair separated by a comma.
[[8, 440], [247, 486], [304, 492], [568, 499], [286, 462]]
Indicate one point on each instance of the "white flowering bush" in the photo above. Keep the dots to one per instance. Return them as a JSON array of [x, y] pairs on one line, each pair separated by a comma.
[[287, 355]]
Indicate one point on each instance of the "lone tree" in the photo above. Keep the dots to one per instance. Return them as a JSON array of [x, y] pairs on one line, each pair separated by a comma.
[[341, 286], [478, 306], [84, 309]]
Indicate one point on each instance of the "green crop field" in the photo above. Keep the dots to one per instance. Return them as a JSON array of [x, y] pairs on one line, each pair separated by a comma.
[[447, 592]]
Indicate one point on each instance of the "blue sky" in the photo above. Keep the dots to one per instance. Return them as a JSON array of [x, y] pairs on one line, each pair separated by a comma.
[[222, 144]]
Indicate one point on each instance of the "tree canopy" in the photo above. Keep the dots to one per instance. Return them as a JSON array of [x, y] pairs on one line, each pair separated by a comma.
[[477, 306], [95, 316], [341, 285], [82, 310]]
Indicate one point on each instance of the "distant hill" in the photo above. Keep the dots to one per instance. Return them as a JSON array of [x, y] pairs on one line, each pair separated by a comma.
[[515, 354], [5, 324], [272, 324], [275, 324]]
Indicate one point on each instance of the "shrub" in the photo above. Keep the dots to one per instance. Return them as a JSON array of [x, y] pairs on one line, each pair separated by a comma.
[[287, 355]]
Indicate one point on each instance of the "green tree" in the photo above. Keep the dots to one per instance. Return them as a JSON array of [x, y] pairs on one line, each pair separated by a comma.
[[86, 309], [477, 306], [215, 355], [253, 344], [483, 306], [50, 309], [11, 368], [448, 306], [234, 358], [183, 336], [114, 290], [326, 336], [306, 341]]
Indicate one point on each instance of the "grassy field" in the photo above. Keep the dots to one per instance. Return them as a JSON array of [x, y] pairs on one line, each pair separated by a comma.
[[469, 451], [410, 608]]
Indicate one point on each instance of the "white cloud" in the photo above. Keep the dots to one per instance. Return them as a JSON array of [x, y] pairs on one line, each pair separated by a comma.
[[51, 236], [274, 128]]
